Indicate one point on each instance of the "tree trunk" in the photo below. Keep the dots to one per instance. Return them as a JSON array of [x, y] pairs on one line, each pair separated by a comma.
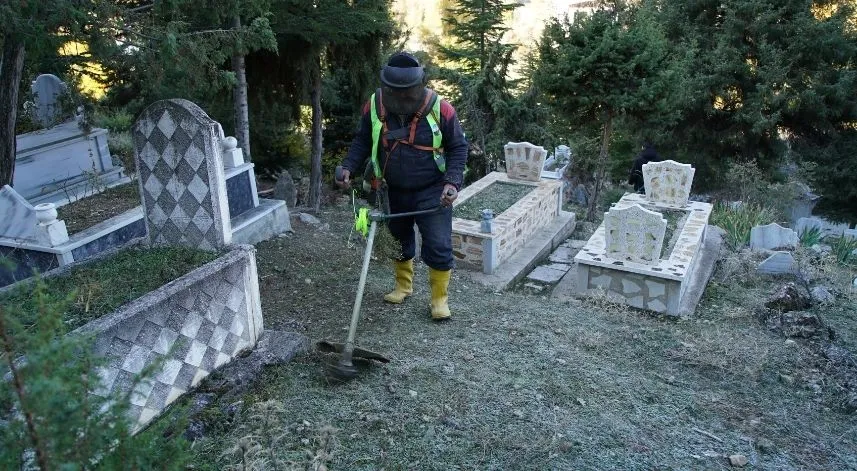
[[239, 100], [315, 171], [11, 68], [601, 170]]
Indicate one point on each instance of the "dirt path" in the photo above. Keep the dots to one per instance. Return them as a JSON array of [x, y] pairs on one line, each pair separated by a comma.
[[517, 381]]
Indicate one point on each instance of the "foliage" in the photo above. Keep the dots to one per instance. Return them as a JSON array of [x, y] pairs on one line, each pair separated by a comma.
[[609, 67], [53, 420], [843, 249], [810, 236], [738, 219]]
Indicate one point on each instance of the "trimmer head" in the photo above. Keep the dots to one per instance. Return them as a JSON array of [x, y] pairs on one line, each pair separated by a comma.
[[347, 367], [341, 371]]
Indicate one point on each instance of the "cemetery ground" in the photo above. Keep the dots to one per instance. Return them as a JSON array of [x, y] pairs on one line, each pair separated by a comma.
[[523, 381]]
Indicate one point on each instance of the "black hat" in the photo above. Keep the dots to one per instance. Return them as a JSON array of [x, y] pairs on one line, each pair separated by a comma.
[[403, 70]]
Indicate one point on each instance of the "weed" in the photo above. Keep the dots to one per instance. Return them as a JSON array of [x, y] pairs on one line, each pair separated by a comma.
[[843, 249], [810, 236]]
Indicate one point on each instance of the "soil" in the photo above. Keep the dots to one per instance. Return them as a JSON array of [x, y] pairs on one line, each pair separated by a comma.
[[87, 212], [522, 381], [498, 197]]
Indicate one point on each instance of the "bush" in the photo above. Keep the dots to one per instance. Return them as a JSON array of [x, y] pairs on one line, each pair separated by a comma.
[[843, 249], [50, 418], [738, 220], [114, 121]]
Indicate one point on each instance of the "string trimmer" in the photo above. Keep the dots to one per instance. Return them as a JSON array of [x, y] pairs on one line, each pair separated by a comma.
[[344, 369]]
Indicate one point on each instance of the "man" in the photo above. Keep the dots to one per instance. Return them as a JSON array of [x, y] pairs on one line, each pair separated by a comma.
[[419, 155], [648, 154]]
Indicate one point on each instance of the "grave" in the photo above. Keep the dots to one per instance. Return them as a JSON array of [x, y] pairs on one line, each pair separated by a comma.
[[61, 163], [501, 246], [623, 259], [188, 196]]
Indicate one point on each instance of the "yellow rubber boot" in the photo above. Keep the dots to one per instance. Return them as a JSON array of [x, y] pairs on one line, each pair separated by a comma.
[[439, 282], [404, 282]]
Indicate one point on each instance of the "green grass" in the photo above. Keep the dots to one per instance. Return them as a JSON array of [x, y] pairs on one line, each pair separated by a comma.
[[99, 288], [497, 197]]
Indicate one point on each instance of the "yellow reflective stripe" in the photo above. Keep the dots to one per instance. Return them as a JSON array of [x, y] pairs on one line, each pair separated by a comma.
[[377, 125], [433, 119]]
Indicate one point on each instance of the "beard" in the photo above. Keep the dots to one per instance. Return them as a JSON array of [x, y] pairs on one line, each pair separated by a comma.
[[404, 103]]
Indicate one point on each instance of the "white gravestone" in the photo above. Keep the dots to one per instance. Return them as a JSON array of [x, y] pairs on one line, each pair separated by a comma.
[[178, 152], [24, 223], [772, 236], [47, 89], [779, 263], [524, 161], [825, 227], [634, 234], [668, 182]]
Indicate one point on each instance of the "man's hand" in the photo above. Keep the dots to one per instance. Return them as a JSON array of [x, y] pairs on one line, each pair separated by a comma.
[[343, 178], [449, 195]]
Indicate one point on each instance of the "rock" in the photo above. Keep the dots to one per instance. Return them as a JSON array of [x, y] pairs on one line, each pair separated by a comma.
[[800, 324], [786, 379], [765, 446], [822, 295], [195, 430], [788, 298], [779, 263], [821, 249], [285, 189], [739, 461], [309, 219]]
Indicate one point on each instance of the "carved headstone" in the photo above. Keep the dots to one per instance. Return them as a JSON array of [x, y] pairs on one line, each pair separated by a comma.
[[180, 167], [668, 182], [47, 89], [634, 234], [524, 161]]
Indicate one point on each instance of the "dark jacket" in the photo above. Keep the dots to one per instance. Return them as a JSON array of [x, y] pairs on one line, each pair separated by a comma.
[[649, 154], [410, 169]]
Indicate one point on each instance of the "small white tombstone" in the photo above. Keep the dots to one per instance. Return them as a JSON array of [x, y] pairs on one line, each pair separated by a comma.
[[772, 236], [634, 234], [668, 182]]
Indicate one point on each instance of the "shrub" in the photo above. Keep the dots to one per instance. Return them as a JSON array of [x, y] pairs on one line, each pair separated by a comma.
[[810, 236], [843, 249], [50, 419]]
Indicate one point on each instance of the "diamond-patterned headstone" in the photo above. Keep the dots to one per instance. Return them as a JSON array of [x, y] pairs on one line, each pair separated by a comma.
[[183, 187]]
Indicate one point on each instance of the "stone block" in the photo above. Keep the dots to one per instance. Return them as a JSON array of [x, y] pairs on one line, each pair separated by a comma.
[[772, 236], [780, 263], [546, 274]]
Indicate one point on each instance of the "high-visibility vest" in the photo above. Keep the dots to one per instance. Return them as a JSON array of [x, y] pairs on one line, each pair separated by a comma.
[[379, 128]]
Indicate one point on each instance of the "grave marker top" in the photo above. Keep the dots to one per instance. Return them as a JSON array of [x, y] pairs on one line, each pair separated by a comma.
[[668, 182], [634, 234], [524, 161], [47, 88], [182, 183]]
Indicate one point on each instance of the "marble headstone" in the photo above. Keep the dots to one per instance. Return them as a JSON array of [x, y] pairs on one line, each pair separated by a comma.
[[17, 216], [779, 263], [47, 89], [634, 234], [562, 154], [772, 236], [524, 161], [668, 182], [177, 147]]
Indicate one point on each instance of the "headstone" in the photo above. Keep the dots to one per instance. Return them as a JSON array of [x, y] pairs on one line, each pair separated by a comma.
[[826, 227], [524, 161], [17, 216], [562, 154], [772, 236], [285, 189], [803, 203], [634, 234], [47, 89], [779, 263], [668, 182], [182, 184]]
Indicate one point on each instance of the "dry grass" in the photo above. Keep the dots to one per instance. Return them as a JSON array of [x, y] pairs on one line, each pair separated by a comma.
[[517, 381]]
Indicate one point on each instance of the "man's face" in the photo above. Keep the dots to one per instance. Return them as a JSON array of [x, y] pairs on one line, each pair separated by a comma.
[[405, 101]]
